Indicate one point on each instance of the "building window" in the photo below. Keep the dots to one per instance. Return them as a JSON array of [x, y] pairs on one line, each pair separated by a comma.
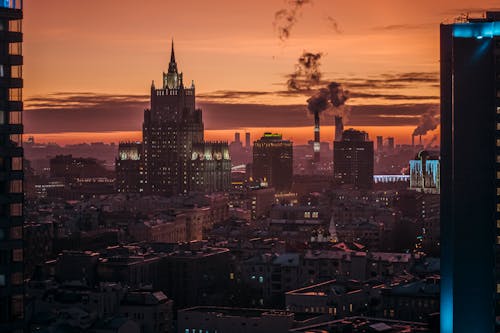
[[16, 72], [15, 94], [16, 186], [15, 25], [2, 280], [17, 164], [17, 255], [17, 306], [16, 139], [15, 117], [16, 278], [16, 233], [16, 209], [15, 48]]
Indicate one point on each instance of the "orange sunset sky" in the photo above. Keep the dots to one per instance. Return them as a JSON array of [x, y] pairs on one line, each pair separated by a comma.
[[89, 64]]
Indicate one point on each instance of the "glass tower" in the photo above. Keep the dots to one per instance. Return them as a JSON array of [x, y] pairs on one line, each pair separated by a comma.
[[470, 173]]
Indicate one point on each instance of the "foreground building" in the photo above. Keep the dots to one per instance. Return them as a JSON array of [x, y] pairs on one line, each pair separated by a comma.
[[172, 128], [11, 155], [470, 155]]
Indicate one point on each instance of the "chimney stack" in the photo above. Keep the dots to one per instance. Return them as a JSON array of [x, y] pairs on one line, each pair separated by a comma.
[[339, 128], [316, 144]]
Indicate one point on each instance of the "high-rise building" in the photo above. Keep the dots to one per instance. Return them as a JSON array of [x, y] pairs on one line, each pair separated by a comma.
[[380, 143], [247, 140], [353, 159], [11, 162], [128, 168], [273, 161], [237, 137], [470, 174], [390, 143], [171, 127]]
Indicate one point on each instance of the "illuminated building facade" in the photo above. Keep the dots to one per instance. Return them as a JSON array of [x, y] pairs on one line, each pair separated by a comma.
[[353, 159], [11, 163], [425, 172], [470, 173], [129, 168], [273, 161], [172, 126], [210, 167]]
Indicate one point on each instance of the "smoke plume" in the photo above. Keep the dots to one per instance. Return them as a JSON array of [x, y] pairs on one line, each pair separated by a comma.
[[428, 122], [333, 98], [319, 102], [338, 96], [286, 18], [433, 140], [307, 72]]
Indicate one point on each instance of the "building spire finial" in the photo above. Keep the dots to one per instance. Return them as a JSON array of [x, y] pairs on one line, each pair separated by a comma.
[[172, 53]]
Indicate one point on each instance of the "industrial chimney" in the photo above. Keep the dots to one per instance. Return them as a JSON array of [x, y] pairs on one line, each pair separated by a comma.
[[339, 128], [316, 144]]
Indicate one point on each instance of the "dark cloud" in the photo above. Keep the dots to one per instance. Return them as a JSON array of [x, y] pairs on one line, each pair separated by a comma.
[[82, 112], [229, 116], [232, 94]]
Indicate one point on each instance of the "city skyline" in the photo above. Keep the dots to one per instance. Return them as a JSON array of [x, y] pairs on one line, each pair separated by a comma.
[[100, 68]]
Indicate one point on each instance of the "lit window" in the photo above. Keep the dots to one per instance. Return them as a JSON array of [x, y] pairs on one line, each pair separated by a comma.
[[2, 280]]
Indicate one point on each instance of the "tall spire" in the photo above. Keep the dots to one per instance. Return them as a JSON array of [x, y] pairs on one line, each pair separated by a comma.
[[172, 66], [172, 54]]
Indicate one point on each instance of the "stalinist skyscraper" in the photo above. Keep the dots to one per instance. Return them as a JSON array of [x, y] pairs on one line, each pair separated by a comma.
[[176, 159]]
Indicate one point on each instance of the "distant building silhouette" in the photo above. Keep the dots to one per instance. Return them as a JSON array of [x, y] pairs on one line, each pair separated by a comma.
[[353, 159], [171, 128], [273, 161]]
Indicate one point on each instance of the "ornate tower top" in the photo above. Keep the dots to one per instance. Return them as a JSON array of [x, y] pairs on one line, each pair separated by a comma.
[[172, 66], [173, 79]]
